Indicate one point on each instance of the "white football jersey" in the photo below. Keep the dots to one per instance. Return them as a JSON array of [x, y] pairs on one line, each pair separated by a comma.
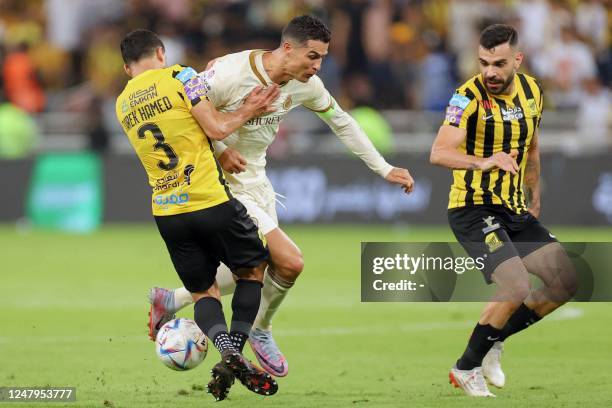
[[229, 81]]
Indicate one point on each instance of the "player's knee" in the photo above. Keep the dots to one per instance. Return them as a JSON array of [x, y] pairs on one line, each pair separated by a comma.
[[568, 287], [296, 264], [290, 267], [570, 277], [516, 293], [522, 290], [571, 286], [565, 284]]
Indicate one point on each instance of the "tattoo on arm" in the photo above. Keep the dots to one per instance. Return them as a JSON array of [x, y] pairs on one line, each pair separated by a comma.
[[532, 177], [532, 171]]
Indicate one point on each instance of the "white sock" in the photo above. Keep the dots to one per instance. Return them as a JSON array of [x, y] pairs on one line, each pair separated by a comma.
[[182, 298], [225, 280], [272, 295]]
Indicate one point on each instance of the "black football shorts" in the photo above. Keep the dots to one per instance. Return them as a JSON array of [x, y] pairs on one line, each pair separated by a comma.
[[496, 234], [198, 241]]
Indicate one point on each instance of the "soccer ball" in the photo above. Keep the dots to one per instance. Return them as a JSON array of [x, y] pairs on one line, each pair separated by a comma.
[[181, 345]]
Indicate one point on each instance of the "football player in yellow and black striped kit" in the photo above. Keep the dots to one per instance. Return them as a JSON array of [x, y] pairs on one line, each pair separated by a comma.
[[490, 139], [199, 220]]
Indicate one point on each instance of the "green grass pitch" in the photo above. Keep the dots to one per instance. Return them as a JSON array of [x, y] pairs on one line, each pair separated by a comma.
[[73, 313]]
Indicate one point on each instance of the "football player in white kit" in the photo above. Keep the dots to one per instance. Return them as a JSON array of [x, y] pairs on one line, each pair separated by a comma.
[[293, 66]]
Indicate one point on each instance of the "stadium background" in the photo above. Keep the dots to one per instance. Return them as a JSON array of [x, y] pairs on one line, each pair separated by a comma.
[[73, 304]]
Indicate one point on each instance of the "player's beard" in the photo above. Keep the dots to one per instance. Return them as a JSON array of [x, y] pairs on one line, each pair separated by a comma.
[[502, 88]]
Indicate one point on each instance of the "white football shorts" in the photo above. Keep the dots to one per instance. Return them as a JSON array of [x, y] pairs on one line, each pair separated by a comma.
[[260, 202]]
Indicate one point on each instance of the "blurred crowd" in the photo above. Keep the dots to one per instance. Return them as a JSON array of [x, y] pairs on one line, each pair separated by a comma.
[[63, 55]]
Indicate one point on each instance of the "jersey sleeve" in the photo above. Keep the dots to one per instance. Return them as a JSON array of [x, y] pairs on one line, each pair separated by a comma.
[[319, 99], [540, 102], [459, 109]]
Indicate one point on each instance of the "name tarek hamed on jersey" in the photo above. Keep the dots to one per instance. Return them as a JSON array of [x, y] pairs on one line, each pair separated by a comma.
[[145, 105]]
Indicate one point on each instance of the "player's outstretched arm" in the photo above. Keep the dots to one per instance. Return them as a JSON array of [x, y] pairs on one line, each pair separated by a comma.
[[218, 125], [355, 139], [445, 153], [532, 176]]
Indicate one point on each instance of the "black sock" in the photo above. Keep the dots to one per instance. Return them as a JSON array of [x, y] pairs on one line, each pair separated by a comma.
[[239, 339], [208, 314], [522, 318], [245, 305], [481, 341], [223, 341]]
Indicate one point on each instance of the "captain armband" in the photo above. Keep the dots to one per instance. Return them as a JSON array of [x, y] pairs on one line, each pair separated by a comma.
[[329, 112]]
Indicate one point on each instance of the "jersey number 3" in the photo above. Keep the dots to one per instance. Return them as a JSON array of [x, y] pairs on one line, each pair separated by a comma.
[[160, 143]]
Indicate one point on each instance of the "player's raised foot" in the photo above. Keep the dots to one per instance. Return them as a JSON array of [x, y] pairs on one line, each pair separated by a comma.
[[161, 311], [267, 352], [491, 366], [221, 382], [251, 376], [471, 381]]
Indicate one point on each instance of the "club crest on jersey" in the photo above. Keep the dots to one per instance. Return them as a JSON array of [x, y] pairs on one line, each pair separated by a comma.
[[533, 108], [124, 106], [512, 113], [287, 103], [188, 170], [493, 242]]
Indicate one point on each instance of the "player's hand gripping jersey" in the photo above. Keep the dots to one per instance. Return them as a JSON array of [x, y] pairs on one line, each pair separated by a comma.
[[229, 81], [500, 123], [176, 154]]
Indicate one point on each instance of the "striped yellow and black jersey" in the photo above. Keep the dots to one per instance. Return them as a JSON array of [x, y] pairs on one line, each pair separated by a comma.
[[494, 123], [176, 154]]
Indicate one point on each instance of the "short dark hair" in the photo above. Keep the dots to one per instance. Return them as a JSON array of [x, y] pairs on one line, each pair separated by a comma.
[[497, 34], [304, 28], [138, 44]]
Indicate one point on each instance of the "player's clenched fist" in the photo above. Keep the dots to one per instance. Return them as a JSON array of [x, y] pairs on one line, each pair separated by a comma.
[[260, 100], [232, 161], [501, 160], [402, 177]]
